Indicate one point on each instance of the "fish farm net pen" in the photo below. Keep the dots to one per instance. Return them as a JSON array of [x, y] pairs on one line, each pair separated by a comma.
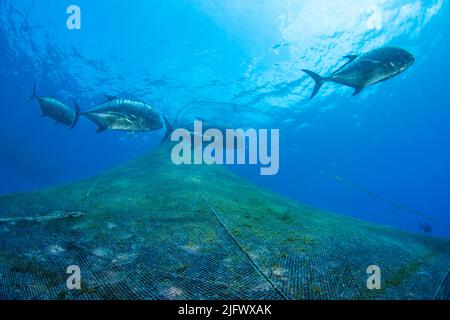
[[88, 194], [443, 292], [388, 201], [254, 264], [245, 252], [52, 216], [233, 105], [201, 232]]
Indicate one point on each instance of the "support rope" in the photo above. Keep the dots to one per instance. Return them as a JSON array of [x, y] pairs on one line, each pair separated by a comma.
[[444, 287], [254, 264], [388, 201]]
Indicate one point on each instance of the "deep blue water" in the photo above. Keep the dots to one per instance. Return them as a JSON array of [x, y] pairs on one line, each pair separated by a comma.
[[392, 140]]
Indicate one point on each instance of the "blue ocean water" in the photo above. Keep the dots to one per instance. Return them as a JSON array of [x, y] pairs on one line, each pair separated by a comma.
[[390, 142]]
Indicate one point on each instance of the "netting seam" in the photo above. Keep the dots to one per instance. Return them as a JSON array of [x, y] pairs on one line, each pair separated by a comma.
[[442, 287], [254, 264]]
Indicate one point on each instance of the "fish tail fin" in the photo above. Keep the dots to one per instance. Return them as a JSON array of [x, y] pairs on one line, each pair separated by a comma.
[[319, 81], [77, 114], [169, 129], [33, 95]]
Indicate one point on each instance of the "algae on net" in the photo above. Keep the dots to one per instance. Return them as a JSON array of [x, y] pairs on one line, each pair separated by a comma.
[[149, 233]]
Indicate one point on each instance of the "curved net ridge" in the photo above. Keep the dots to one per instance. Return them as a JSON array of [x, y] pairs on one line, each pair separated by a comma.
[[153, 230]]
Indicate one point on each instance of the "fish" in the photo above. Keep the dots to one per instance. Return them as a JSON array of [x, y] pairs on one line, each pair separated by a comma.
[[367, 69], [57, 110], [218, 115], [127, 115], [425, 227]]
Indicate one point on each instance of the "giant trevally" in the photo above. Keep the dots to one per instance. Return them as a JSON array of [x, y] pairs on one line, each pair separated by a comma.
[[127, 115], [57, 110], [364, 70], [219, 115]]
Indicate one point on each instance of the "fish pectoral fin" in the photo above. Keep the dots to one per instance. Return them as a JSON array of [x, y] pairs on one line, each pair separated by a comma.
[[357, 90], [121, 115], [132, 118]]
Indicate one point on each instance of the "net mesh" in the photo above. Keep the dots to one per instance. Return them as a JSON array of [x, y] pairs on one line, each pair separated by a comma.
[[152, 230]]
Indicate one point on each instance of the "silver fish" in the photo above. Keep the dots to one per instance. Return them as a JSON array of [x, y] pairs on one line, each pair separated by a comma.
[[126, 115], [364, 70], [57, 110]]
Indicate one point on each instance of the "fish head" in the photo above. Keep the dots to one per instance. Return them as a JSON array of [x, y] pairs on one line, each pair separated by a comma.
[[403, 60]]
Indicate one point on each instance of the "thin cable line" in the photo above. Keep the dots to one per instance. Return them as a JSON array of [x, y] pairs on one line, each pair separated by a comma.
[[254, 264], [443, 283], [381, 198], [245, 252]]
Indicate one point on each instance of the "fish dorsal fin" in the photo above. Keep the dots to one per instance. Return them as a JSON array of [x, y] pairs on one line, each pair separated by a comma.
[[131, 118], [111, 98], [350, 58]]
